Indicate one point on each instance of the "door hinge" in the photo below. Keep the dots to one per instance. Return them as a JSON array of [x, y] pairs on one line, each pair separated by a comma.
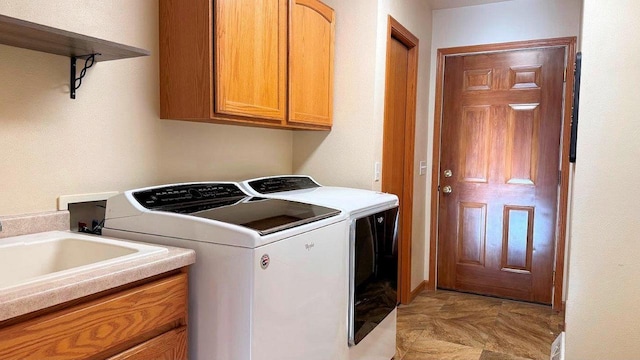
[[564, 79], [559, 177], [554, 278]]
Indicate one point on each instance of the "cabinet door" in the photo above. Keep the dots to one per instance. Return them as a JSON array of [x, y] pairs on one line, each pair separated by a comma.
[[311, 63], [89, 329], [250, 49], [171, 345]]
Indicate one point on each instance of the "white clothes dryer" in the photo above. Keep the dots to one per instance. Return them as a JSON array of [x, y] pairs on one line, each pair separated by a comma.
[[269, 280], [373, 256]]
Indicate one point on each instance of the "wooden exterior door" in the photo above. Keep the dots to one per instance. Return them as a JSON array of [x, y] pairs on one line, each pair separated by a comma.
[[501, 125]]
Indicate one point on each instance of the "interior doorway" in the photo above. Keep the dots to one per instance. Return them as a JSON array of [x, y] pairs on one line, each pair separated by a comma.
[[501, 169], [399, 139]]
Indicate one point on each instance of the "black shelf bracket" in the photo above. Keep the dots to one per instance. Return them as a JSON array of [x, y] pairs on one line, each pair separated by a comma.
[[75, 82]]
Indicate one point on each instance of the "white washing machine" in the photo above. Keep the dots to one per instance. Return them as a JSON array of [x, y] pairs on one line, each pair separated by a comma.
[[269, 280], [373, 256]]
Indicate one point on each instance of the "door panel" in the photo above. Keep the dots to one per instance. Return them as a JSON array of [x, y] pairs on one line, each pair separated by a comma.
[[522, 143], [473, 228], [311, 46], [399, 138], [502, 117], [251, 58], [475, 143], [517, 239], [394, 125]]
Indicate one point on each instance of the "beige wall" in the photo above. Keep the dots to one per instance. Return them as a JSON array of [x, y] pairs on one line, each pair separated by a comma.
[[494, 23], [347, 154], [603, 312], [448, 4], [110, 137]]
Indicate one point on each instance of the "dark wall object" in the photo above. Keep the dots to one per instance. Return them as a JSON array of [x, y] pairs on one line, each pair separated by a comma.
[[574, 113]]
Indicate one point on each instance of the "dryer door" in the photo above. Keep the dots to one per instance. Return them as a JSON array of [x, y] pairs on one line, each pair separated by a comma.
[[374, 272]]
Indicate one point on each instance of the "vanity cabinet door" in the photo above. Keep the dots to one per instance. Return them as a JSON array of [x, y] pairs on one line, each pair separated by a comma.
[[311, 39], [171, 345], [100, 326], [250, 48]]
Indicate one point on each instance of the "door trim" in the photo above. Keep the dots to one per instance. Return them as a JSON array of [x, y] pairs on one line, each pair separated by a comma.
[[561, 221], [397, 31]]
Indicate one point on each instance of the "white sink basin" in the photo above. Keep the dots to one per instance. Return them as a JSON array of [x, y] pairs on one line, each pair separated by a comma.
[[43, 256]]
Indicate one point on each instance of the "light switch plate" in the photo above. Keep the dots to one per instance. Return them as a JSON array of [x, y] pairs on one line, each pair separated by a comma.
[[377, 171], [423, 167]]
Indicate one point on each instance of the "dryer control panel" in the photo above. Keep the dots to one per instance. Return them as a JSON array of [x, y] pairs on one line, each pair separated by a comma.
[[282, 183]]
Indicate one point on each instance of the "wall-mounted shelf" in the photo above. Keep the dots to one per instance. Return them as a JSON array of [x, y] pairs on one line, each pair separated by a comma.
[[28, 35]]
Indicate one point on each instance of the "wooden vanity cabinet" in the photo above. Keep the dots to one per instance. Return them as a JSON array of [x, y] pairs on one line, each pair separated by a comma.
[[145, 320], [252, 62]]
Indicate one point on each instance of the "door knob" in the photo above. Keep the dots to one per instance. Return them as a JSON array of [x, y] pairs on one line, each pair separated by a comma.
[[448, 173], [447, 189]]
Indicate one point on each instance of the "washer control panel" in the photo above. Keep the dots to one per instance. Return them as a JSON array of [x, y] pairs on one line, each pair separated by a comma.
[[172, 195]]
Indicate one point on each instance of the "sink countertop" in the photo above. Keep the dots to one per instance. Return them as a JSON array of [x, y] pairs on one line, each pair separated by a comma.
[[36, 296]]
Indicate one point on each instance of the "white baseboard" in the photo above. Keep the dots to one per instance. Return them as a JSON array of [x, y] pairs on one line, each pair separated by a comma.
[[557, 348]]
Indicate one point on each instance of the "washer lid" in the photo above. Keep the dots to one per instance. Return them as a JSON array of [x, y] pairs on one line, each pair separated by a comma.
[[227, 203], [303, 188], [265, 216]]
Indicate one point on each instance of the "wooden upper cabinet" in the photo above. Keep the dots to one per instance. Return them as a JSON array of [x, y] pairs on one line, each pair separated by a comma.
[[250, 48], [311, 62], [262, 63]]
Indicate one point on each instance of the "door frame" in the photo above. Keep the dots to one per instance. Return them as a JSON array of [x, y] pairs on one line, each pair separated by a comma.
[[396, 31], [561, 220]]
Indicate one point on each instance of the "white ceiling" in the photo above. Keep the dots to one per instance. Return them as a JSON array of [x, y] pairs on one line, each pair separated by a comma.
[[446, 4]]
